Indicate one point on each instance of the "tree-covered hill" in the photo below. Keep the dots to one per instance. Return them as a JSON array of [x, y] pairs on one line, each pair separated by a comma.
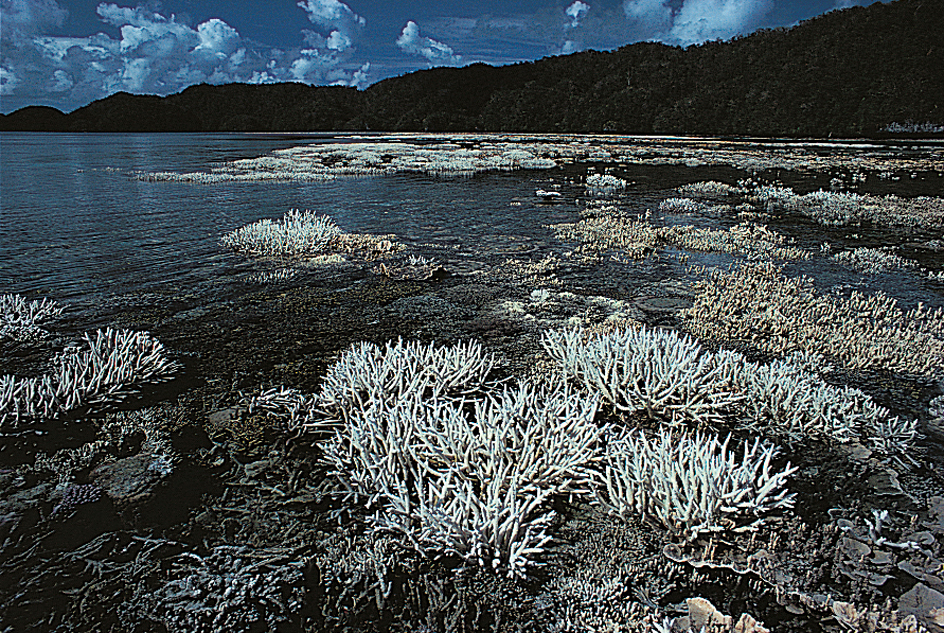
[[847, 73]]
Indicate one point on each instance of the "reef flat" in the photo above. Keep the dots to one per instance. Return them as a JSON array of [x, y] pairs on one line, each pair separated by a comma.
[[709, 405]]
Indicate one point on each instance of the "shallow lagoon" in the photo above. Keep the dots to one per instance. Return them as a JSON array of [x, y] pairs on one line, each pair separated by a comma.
[[87, 224]]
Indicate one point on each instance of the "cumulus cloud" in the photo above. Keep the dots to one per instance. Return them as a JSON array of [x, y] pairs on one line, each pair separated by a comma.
[[653, 16], [156, 54], [701, 20], [693, 21], [331, 13], [362, 77], [337, 41], [217, 39], [576, 11], [436, 53], [341, 23], [8, 81]]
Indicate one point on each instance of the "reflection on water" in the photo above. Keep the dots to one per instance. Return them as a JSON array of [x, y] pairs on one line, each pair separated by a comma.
[[78, 229]]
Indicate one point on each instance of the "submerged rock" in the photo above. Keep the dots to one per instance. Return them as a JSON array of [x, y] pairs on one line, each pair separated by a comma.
[[926, 604], [131, 481]]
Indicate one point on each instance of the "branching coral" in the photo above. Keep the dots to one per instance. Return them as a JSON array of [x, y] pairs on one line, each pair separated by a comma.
[[305, 234], [458, 467], [657, 371], [680, 205], [21, 319], [637, 238], [831, 208], [469, 483], [873, 260], [229, 588], [106, 370], [757, 303], [294, 408], [326, 161], [691, 482], [755, 241], [708, 188], [369, 374], [604, 184], [785, 398], [671, 378], [297, 233]]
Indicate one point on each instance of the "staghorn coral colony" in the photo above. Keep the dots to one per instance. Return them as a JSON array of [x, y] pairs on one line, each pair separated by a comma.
[[609, 448], [107, 368]]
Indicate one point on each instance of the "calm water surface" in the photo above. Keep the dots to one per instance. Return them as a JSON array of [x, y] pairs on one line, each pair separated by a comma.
[[76, 227]]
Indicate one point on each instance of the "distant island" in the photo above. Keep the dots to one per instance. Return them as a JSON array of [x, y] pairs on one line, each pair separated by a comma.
[[874, 71]]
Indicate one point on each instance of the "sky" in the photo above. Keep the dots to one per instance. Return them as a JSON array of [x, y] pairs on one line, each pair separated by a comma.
[[67, 53]]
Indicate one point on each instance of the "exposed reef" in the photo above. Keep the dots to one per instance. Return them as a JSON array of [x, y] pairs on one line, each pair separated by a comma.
[[677, 409], [756, 302], [470, 154]]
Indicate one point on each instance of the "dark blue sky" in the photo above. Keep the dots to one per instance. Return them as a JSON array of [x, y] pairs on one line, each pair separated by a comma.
[[66, 53]]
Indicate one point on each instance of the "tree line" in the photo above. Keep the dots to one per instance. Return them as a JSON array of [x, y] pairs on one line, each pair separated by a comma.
[[853, 72]]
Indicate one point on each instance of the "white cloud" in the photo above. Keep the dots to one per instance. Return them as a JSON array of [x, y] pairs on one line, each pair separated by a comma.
[[156, 54], [135, 74], [62, 81], [362, 77], [343, 24], [8, 81], [701, 20], [330, 13], [436, 53], [569, 47], [651, 16], [694, 21], [217, 38], [576, 11], [261, 78], [306, 65], [337, 41]]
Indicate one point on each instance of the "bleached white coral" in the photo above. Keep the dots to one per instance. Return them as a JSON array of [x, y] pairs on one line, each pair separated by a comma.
[[328, 161], [936, 408], [604, 184], [680, 205], [708, 188], [367, 373], [468, 481], [779, 314], [691, 483], [789, 398], [297, 410], [660, 372], [21, 319], [297, 233], [106, 370], [671, 378], [831, 208], [873, 260]]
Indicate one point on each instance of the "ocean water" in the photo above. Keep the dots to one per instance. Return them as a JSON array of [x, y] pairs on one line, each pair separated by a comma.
[[77, 227]]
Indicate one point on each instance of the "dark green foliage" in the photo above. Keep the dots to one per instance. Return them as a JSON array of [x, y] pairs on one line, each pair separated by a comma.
[[846, 73]]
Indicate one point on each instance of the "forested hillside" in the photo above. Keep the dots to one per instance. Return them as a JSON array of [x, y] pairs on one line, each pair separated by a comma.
[[847, 73]]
